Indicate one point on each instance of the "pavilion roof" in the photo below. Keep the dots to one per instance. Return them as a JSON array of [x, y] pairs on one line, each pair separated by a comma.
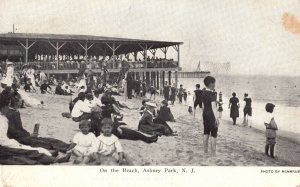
[[42, 42]]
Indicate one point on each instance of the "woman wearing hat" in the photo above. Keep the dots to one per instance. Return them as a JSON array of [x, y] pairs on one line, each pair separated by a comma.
[[121, 132], [150, 126], [8, 80], [165, 113]]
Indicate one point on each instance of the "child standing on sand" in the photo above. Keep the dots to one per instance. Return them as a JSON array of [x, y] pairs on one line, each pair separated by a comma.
[[83, 144], [210, 121], [271, 128], [184, 96], [220, 108], [197, 98], [109, 149]]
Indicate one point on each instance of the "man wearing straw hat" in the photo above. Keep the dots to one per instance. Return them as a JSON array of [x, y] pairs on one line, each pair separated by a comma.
[[148, 126]]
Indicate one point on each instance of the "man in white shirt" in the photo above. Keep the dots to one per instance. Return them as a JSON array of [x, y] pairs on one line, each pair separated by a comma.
[[96, 100], [81, 110]]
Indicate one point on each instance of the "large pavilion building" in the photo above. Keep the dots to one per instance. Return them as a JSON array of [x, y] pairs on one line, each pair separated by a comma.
[[63, 55]]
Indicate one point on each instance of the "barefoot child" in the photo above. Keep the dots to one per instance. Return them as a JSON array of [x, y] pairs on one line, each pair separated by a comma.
[[271, 128], [210, 121], [220, 108], [197, 98], [247, 110], [84, 143], [109, 150]]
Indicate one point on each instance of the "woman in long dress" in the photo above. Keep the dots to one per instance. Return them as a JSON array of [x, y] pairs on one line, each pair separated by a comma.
[[173, 94], [152, 126], [30, 75], [9, 74], [234, 107]]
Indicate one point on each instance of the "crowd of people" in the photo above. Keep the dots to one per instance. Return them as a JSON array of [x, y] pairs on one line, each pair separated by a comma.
[[100, 119], [44, 63]]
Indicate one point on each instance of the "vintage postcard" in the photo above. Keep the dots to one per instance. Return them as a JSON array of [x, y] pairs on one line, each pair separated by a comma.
[[142, 93]]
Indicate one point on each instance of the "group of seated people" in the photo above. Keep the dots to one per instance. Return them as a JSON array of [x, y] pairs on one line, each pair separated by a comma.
[[150, 124], [100, 124], [18, 146]]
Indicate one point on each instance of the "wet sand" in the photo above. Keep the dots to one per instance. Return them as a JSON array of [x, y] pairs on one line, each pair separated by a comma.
[[237, 145]]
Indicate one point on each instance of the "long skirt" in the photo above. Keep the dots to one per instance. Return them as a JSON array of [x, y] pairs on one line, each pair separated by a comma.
[[47, 143], [126, 133], [234, 112], [159, 126], [11, 156]]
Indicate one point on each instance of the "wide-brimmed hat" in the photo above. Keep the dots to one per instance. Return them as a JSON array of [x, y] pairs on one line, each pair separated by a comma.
[[150, 104], [9, 63], [269, 106]]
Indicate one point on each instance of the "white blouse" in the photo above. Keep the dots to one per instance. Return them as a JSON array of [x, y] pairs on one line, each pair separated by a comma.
[[11, 143], [108, 145], [80, 107]]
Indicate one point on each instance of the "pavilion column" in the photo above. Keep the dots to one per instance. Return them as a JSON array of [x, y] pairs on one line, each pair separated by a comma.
[[176, 78], [26, 46], [57, 47], [164, 50], [114, 48], [86, 47], [135, 56], [154, 79], [157, 81], [162, 78], [145, 49], [147, 78], [170, 78], [153, 52]]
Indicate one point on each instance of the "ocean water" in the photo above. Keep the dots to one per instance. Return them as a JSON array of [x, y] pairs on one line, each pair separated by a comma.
[[284, 92]]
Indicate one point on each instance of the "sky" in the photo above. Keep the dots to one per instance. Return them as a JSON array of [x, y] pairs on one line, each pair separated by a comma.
[[256, 37]]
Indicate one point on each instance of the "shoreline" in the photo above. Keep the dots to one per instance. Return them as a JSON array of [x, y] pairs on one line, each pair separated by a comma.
[[237, 146]]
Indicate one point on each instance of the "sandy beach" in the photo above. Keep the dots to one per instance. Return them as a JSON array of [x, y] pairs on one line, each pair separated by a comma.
[[237, 145]]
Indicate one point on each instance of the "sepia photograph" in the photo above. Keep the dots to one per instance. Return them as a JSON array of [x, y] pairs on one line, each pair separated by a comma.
[[150, 86]]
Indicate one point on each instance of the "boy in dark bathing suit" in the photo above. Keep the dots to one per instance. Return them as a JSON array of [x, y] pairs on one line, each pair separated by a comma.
[[197, 98], [210, 120], [247, 110]]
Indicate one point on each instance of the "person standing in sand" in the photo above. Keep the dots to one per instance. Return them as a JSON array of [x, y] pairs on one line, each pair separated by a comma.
[[197, 98], [180, 94], [210, 120], [247, 110], [220, 108], [166, 91], [271, 128], [234, 107], [173, 94]]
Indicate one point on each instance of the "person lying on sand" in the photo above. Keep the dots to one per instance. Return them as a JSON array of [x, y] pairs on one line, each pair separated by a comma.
[[13, 152], [113, 100], [121, 132], [17, 132]]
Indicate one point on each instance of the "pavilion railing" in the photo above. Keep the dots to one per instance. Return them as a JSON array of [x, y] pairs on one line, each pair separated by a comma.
[[97, 65]]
